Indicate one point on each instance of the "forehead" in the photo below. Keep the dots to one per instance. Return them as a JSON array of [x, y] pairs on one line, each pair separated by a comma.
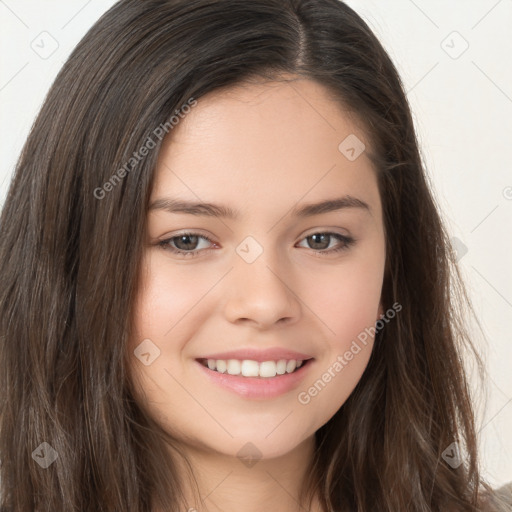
[[264, 143]]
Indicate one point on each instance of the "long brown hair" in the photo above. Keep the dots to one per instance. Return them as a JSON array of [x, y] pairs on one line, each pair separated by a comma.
[[71, 236]]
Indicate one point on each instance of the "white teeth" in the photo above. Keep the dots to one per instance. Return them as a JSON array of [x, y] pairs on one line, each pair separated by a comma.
[[249, 368], [281, 366], [233, 367], [291, 365], [268, 369]]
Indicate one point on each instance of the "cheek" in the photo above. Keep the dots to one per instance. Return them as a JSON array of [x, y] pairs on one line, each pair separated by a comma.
[[166, 298], [166, 312], [347, 299]]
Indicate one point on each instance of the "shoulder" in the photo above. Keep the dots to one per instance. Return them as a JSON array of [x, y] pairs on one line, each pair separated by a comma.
[[500, 500], [505, 492]]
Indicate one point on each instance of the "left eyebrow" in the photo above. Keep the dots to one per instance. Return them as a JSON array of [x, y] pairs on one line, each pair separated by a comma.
[[172, 205], [331, 205]]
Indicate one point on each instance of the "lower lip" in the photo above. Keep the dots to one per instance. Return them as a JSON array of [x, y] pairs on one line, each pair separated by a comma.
[[258, 387]]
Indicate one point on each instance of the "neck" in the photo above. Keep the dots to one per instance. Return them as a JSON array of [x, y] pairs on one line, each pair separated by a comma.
[[231, 484]]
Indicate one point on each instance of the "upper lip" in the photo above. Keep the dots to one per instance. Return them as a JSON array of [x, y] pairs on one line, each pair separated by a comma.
[[269, 354]]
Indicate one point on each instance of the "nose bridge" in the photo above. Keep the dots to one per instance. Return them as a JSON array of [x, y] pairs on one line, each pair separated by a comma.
[[260, 286]]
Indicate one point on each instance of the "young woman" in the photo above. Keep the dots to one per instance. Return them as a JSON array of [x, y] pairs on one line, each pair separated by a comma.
[[225, 284]]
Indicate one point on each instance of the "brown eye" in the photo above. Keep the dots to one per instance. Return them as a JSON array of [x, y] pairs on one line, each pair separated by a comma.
[[321, 241], [185, 244]]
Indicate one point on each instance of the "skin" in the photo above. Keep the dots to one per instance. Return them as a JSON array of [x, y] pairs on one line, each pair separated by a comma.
[[262, 148]]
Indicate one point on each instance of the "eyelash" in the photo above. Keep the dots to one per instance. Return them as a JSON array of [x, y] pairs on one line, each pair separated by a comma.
[[165, 244]]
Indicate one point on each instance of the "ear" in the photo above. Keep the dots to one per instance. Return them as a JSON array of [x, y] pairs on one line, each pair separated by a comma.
[[381, 312]]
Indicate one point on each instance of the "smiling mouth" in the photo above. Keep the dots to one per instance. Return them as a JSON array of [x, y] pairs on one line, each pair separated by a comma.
[[254, 369]]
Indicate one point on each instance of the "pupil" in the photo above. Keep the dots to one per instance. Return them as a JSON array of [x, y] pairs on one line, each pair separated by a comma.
[[324, 245], [184, 239]]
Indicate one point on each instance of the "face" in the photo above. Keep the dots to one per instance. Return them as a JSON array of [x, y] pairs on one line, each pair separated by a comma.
[[272, 282]]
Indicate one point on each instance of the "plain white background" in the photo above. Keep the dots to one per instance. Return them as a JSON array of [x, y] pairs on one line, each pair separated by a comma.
[[454, 59]]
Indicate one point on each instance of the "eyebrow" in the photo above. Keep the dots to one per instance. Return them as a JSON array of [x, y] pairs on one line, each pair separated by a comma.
[[172, 205]]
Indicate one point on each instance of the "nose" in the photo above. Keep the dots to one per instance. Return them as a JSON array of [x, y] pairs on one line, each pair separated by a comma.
[[262, 293]]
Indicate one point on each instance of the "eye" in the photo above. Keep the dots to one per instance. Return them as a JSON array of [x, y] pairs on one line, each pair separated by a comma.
[[188, 244], [321, 241], [185, 244]]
